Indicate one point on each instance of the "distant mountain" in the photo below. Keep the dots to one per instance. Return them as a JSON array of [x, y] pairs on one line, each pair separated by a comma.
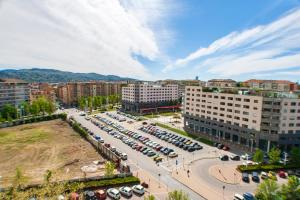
[[54, 76]]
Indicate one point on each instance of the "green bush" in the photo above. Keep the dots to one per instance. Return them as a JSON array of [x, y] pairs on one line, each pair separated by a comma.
[[266, 167]]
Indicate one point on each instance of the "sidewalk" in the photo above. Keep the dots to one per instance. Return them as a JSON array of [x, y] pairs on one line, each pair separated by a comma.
[[196, 185], [226, 174], [156, 187]]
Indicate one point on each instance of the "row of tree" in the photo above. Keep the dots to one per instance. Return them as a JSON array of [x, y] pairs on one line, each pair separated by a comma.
[[38, 106], [98, 101], [274, 155], [270, 190]]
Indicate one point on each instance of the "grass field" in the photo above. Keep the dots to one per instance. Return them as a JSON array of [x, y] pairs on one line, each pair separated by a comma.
[[37, 147]]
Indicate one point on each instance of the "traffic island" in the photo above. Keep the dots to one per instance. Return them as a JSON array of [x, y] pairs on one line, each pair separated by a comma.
[[226, 174]]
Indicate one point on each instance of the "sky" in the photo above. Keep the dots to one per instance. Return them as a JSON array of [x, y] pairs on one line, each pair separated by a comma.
[[154, 39]]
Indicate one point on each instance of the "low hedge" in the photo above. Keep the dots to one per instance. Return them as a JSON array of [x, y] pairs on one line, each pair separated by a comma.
[[266, 167], [181, 132], [107, 182]]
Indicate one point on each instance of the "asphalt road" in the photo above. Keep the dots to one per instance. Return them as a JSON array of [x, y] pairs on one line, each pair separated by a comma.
[[137, 160]]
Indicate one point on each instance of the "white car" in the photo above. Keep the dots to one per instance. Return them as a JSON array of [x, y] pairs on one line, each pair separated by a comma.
[[138, 189], [126, 191], [124, 156], [238, 197], [173, 155], [113, 193]]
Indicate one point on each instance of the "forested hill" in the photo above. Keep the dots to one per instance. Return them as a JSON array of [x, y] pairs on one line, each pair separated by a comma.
[[54, 76]]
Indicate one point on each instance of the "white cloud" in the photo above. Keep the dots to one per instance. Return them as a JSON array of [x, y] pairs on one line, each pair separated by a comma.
[[269, 47], [99, 36]]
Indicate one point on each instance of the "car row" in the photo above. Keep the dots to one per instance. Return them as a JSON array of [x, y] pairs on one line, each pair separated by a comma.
[[221, 146], [255, 177], [116, 117], [128, 115], [132, 139], [179, 141], [245, 196], [225, 157]]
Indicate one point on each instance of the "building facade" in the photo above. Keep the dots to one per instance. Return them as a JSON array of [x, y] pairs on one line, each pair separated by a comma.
[[223, 83], [148, 97], [13, 92], [275, 85], [70, 93], [246, 120], [42, 90]]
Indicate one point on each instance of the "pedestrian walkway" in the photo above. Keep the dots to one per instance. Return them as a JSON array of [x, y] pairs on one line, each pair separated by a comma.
[[226, 173], [156, 187], [195, 184]]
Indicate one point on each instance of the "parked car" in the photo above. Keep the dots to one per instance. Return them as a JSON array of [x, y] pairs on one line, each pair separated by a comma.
[[235, 157], [173, 155], [220, 146], [89, 195], [282, 174], [113, 193], [226, 148], [224, 158], [101, 194], [272, 175], [245, 177], [124, 156], [126, 191], [248, 196], [263, 175], [138, 189], [238, 197], [255, 177]]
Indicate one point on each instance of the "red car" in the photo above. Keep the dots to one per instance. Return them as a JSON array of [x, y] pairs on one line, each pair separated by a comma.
[[158, 148], [226, 148], [107, 145], [282, 174], [138, 148]]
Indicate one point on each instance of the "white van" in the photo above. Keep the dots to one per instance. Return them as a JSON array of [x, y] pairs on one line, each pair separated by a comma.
[[238, 197]]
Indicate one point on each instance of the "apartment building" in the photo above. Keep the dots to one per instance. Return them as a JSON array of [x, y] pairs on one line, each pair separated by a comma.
[[240, 118], [223, 83], [42, 90], [69, 93], [149, 97], [13, 92], [276, 85]]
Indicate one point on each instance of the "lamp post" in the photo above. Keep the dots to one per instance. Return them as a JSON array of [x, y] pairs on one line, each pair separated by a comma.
[[223, 190], [159, 180]]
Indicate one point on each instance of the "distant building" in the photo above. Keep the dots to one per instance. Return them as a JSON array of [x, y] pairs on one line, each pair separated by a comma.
[[222, 83], [262, 119], [70, 93], [275, 85], [42, 90], [13, 92], [197, 78], [149, 97]]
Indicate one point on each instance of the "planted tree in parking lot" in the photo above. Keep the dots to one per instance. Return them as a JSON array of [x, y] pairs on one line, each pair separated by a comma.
[[109, 168], [267, 190], [295, 155], [177, 195], [291, 190], [258, 156], [274, 155]]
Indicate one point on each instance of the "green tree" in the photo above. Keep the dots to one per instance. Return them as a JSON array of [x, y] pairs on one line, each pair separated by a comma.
[[274, 155], [34, 108], [267, 190], [177, 195], [109, 168], [149, 197], [295, 155], [258, 156], [291, 190], [9, 112], [26, 108]]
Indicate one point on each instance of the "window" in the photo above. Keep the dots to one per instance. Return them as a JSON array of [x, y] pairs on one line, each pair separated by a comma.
[[245, 113], [246, 106], [222, 109], [229, 104], [237, 111], [216, 97], [237, 105], [229, 110], [222, 103], [229, 116], [230, 98], [236, 117], [254, 121], [292, 111], [293, 103], [255, 101], [222, 97], [255, 108], [238, 99], [245, 119], [291, 124], [244, 126], [221, 114], [246, 100]]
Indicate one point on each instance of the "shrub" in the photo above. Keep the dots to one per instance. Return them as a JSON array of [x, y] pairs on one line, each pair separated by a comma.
[[266, 167]]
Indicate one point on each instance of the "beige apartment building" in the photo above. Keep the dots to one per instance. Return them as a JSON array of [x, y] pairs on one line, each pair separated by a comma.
[[70, 93], [277, 85], [244, 119], [144, 97], [223, 83]]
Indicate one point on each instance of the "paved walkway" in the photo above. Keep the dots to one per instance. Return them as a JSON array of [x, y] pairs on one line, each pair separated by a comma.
[[156, 187], [196, 185], [226, 173]]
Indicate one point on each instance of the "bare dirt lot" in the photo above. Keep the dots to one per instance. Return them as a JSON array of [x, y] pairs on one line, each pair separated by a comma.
[[37, 147]]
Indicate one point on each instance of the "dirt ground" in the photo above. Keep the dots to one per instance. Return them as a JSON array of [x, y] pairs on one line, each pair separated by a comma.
[[37, 147]]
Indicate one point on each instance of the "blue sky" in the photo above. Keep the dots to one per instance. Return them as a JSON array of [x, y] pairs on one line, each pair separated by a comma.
[[155, 39]]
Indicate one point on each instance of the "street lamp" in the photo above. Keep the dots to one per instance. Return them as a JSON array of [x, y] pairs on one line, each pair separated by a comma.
[[223, 190], [159, 180]]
